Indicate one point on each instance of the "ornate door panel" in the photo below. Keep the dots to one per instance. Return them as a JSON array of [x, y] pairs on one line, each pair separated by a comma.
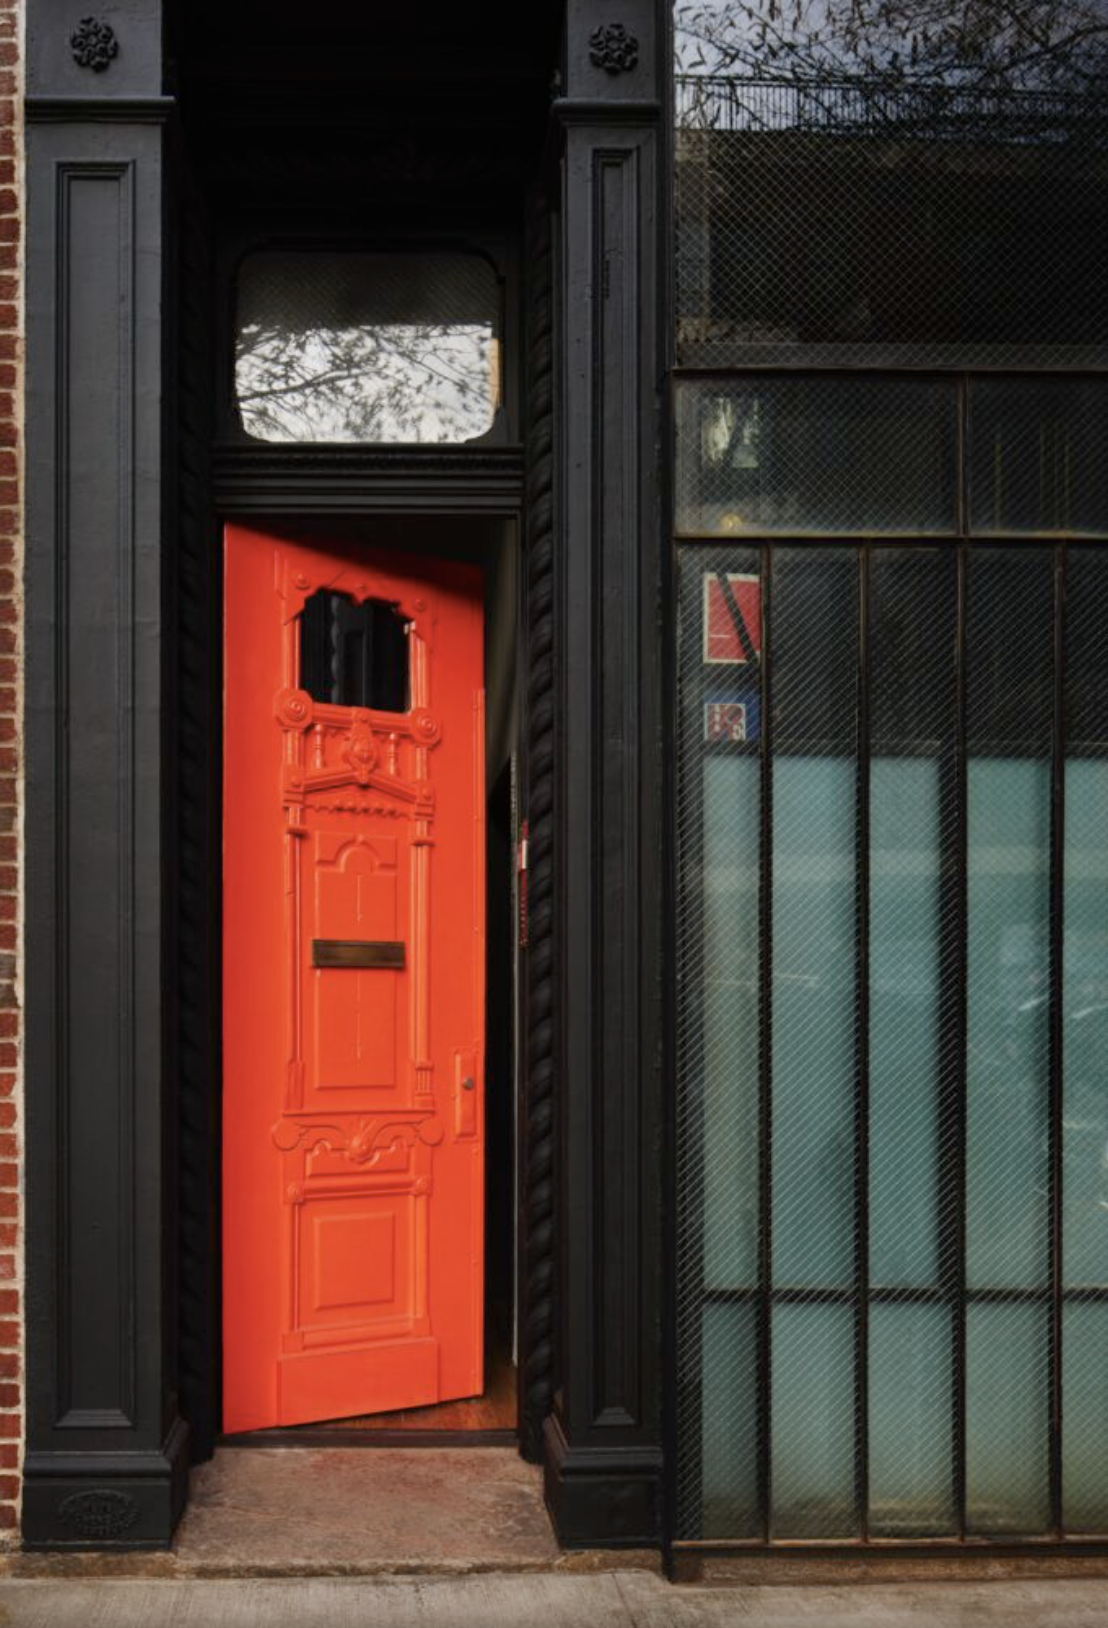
[[353, 984]]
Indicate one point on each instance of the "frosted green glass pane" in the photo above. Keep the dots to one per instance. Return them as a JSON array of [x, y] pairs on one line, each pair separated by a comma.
[[812, 1430], [1085, 1031], [1085, 1418], [729, 1462], [814, 934], [910, 1422], [1007, 1079], [1007, 1419], [732, 803], [904, 1021]]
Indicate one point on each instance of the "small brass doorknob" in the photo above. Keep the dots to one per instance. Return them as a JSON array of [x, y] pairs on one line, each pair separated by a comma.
[[469, 1083]]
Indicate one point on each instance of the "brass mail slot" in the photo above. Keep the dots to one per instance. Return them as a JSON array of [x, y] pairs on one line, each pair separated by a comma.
[[355, 952]]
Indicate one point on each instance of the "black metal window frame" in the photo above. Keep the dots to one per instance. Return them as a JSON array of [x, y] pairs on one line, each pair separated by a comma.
[[685, 1229]]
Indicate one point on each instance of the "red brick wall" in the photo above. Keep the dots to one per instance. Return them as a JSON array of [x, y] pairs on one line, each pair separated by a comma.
[[11, 1261]]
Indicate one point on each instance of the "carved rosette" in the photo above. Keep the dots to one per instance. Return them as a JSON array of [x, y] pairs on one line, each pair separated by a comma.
[[294, 708], [612, 48], [94, 44]]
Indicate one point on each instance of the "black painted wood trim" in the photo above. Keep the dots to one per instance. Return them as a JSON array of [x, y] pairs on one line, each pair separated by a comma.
[[602, 1450], [540, 1018], [99, 110], [105, 1450], [361, 480], [194, 875]]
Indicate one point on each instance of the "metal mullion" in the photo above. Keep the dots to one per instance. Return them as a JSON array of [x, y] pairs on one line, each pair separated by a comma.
[[690, 990], [1057, 927], [955, 1030], [765, 1048], [862, 1054]]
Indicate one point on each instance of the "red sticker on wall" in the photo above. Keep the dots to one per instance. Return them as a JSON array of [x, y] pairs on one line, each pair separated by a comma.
[[732, 618]]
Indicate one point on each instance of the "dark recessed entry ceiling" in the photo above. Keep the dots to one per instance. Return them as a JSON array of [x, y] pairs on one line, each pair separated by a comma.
[[359, 88]]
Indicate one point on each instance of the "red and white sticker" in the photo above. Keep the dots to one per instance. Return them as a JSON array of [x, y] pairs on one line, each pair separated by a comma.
[[726, 721], [732, 618]]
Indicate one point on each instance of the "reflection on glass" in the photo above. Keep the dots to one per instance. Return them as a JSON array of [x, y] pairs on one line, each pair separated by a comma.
[[813, 1021], [1009, 690], [911, 1423], [904, 1021], [818, 455], [855, 173], [732, 803], [1085, 1417], [1085, 1030], [812, 1424], [729, 1464], [1007, 1419], [380, 347], [814, 904], [926, 957], [1008, 1021]]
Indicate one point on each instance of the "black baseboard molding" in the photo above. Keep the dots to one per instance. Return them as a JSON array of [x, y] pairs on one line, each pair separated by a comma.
[[106, 1500], [602, 1497]]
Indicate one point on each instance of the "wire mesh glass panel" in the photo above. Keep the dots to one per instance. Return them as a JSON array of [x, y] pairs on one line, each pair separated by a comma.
[[911, 1421], [1009, 699], [1085, 914], [813, 904], [729, 1410], [862, 174], [893, 1105], [1008, 1403], [812, 1429], [1085, 1417], [913, 609], [1038, 455], [732, 810], [790, 455], [719, 1012], [350, 347], [1084, 1173]]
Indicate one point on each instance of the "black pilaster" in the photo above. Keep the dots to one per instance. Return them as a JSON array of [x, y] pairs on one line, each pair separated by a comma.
[[603, 1438], [105, 1462]]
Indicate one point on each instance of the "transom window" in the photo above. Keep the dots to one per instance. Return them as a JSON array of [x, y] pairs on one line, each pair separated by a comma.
[[341, 346]]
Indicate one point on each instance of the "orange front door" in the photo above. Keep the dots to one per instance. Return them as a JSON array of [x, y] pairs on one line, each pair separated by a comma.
[[353, 1153]]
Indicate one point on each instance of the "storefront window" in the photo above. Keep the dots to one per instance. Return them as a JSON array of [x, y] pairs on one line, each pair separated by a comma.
[[893, 1040], [890, 418]]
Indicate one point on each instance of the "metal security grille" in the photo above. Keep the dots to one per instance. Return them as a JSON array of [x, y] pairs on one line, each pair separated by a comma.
[[892, 1005], [920, 179]]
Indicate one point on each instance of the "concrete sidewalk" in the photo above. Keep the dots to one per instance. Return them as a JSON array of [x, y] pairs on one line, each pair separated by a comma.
[[633, 1599]]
